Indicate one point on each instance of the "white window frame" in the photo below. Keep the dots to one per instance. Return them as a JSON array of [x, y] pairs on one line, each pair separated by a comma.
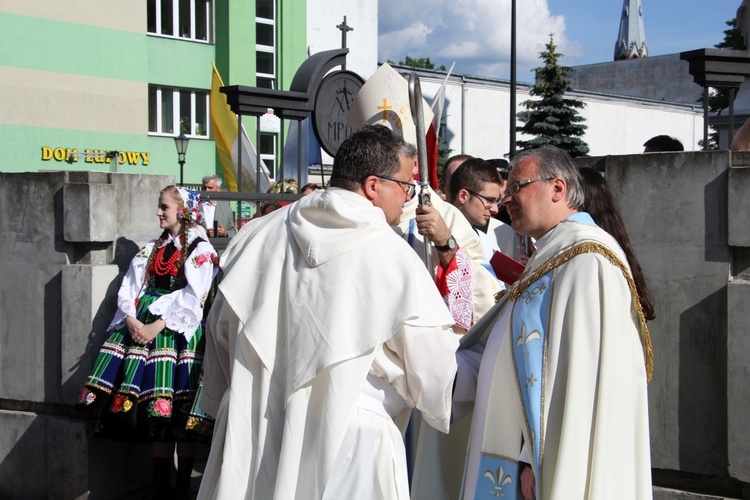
[[176, 123], [176, 21], [269, 49]]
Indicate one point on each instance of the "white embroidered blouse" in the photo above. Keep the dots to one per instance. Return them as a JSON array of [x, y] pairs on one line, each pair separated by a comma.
[[182, 309]]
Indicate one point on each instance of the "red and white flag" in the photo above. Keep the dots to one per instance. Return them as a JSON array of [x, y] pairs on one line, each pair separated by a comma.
[[438, 104]]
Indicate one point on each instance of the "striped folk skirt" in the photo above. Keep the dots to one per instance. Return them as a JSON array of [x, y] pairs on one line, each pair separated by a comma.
[[146, 393]]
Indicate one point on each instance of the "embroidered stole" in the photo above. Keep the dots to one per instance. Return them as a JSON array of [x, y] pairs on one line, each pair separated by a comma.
[[498, 472]]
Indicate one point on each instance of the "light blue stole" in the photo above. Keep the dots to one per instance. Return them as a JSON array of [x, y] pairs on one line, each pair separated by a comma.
[[498, 476]]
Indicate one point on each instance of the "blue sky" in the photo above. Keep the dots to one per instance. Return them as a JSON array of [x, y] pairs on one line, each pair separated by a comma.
[[476, 33]]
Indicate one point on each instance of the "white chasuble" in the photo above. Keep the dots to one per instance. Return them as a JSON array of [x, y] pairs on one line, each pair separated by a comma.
[[568, 382]]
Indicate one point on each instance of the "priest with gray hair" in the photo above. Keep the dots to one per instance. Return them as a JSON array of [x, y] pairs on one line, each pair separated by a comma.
[[556, 374]]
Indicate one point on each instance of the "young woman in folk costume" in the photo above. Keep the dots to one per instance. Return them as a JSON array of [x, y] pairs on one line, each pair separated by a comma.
[[145, 378]]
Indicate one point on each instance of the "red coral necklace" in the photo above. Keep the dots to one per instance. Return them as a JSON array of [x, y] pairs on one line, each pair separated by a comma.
[[162, 267]]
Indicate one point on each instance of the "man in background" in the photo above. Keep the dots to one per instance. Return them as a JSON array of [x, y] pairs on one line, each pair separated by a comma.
[[451, 164], [476, 188], [662, 143], [507, 239], [218, 217]]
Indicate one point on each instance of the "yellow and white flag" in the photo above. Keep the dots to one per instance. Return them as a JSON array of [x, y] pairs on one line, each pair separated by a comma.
[[227, 138], [384, 100]]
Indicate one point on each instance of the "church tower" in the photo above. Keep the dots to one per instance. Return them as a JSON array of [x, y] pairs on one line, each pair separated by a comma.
[[631, 41]]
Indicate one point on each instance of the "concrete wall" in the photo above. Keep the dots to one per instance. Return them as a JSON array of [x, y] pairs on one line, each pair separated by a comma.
[[661, 78], [687, 217], [681, 243]]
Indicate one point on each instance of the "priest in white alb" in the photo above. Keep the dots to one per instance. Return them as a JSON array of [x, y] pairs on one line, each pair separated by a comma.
[[556, 374], [326, 331]]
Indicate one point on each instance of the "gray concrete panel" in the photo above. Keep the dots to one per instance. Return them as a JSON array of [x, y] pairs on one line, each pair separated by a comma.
[[23, 462], [738, 373], [30, 301], [670, 494], [674, 207], [89, 213], [739, 200], [84, 321], [662, 78]]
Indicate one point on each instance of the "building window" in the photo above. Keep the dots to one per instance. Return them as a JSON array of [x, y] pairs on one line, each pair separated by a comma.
[[265, 70], [172, 111], [264, 34], [268, 152], [189, 19], [265, 8], [265, 44]]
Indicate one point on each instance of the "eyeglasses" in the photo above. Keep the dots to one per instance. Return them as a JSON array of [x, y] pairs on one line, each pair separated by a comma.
[[488, 202], [408, 187], [515, 186]]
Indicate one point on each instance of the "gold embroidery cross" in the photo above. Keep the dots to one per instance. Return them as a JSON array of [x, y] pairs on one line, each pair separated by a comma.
[[385, 107]]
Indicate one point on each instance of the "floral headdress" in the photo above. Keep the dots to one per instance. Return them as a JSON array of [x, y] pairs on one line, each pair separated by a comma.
[[191, 210], [285, 186]]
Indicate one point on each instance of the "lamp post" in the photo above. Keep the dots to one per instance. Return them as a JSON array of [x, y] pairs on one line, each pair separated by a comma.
[[512, 79], [181, 142]]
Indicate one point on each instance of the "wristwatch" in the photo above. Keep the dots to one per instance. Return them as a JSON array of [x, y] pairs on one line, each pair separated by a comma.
[[450, 245]]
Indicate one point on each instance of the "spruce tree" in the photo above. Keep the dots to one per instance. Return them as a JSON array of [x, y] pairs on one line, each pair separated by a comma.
[[553, 119]]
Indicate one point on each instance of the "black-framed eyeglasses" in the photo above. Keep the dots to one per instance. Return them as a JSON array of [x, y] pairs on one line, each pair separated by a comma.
[[488, 202], [515, 186], [408, 187]]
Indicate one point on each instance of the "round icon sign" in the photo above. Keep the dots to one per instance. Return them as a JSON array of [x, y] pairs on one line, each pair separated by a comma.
[[330, 117]]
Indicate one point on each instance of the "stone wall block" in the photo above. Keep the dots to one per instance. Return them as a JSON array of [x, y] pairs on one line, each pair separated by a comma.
[[89, 213], [739, 200], [23, 462], [738, 373], [88, 305]]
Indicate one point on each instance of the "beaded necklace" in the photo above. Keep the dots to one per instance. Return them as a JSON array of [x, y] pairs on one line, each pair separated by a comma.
[[162, 267]]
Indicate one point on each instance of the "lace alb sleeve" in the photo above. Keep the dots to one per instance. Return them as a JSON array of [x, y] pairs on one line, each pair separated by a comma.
[[456, 285]]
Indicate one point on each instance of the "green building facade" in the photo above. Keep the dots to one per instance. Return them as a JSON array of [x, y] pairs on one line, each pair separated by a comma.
[[128, 77]]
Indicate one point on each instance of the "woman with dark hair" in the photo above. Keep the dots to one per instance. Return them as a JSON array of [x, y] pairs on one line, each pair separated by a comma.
[[144, 382], [309, 188], [601, 204]]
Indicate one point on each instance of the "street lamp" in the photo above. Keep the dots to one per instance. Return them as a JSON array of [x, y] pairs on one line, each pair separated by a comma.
[[181, 142], [512, 152]]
